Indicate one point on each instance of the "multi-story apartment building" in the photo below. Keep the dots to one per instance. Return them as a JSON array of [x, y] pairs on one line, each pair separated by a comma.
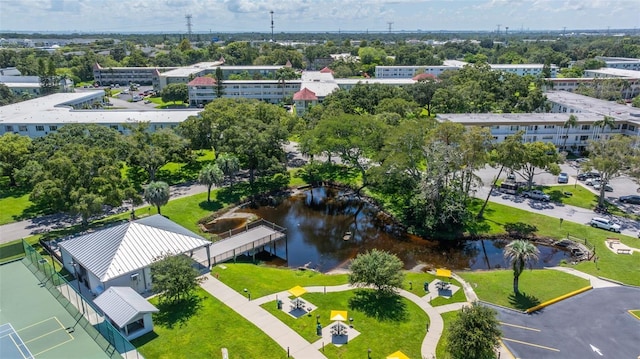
[[202, 90], [624, 63], [105, 76], [399, 72]]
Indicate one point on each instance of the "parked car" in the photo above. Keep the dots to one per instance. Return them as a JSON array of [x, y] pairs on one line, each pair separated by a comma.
[[509, 187], [633, 199], [592, 181], [607, 188], [563, 178], [604, 223], [587, 175], [536, 194]]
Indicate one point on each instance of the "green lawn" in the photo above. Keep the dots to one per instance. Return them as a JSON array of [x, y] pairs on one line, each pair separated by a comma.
[[417, 287], [580, 196], [263, 280], [448, 318], [385, 324], [161, 104], [536, 286], [201, 329], [624, 268]]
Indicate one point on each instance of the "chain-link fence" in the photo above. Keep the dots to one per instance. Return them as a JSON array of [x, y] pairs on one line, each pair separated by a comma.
[[86, 314]]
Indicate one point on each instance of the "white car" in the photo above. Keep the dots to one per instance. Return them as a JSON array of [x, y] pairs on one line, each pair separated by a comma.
[[607, 188], [536, 194], [604, 223], [592, 181]]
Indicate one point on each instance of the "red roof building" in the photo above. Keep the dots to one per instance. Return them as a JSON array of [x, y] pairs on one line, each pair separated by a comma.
[[327, 70], [423, 76], [305, 95], [202, 81]]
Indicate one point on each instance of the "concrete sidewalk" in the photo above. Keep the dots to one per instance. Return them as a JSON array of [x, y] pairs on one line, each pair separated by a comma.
[[595, 281], [286, 337]]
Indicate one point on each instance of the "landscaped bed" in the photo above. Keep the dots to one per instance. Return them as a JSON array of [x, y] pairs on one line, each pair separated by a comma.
[[536, 286]]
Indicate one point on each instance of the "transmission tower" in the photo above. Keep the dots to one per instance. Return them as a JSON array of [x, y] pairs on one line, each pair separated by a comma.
[[498, 29], [390, 23], [271, 12], [188, 17]]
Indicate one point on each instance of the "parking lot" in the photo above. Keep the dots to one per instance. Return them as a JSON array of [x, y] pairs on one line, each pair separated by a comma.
[[594, 324]]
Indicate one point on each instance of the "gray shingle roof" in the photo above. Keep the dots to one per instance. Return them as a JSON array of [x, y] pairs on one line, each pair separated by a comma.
[[122, 304], [115, 251]]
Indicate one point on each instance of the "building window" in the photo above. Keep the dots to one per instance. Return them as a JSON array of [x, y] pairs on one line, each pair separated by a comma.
[[8, 128], [39, 128], [585, 127], [584, 138], [624, 126], [514, 128], [22, 128], [632, 128], [549, 126], [115, 127], [53, 128]]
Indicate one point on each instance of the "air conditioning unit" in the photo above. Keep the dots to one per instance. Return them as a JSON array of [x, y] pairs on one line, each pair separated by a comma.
[[134, 276]]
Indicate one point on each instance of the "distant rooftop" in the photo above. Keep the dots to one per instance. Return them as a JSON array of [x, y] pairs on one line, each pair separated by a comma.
[[594, 105], [610, 71]]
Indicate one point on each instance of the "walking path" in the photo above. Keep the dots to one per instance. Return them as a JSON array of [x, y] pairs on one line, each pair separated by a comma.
[[595, 281]]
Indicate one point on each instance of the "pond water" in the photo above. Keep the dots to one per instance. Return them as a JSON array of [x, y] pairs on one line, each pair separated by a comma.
[[318, 222]]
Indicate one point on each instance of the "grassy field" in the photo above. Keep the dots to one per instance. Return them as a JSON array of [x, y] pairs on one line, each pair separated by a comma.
[[161, 104], [385, 324], [200, 329], [536, 286], [263, 280], [448, 318], [624, 268], [580, 196]]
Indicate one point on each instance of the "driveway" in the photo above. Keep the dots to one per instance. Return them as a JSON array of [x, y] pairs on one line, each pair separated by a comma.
[[594, 324]]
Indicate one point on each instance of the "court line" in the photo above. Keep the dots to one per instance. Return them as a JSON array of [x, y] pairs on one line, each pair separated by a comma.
[[34, 324], [18, 347], [520, 326], [44, 335], [53, 347], [63, 327], [531, 344]]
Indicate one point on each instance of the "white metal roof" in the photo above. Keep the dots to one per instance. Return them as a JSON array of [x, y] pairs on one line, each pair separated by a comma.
[[125, 248], [123, 304]]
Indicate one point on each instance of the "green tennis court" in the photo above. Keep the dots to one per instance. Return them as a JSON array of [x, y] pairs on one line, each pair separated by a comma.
[[35, 324]]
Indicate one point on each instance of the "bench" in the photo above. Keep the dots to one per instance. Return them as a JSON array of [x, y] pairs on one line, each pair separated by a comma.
[[612, 241], [623, 251]]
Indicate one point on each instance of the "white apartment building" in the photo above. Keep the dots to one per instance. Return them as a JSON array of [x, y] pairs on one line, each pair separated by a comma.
[[41, 116], [549, 127], [188, 73], [407, 72], [202, 90], [106, 76], [624, 63], [525, 69]]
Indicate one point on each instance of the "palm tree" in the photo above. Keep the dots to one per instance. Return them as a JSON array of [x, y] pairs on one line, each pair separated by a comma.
[[519, 253], [209, 175], [607, 121], [229, 164], [569, 123], [157, 193]]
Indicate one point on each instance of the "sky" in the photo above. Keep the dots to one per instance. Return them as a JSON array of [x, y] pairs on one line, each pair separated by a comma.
[[221, 16]]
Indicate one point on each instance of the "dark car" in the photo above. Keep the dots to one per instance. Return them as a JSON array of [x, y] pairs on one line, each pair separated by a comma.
[[586, 175], [633, 199]]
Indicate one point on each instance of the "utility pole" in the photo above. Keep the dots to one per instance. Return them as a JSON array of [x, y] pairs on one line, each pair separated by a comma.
[[188, 17], [498, 29], [506, 30], [390, 23], [564, 31], [271, 12]]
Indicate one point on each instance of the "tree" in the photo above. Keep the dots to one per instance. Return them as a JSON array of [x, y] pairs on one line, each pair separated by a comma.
[[14, 151], [519, 253], [229, 165], [571, 122], [380, 269], [157, 194], [533, 158], [151, 151], [423, 91], [474, 334], [175, 92], [636, 101], [7, 96], [610, 157], [174, 277], [210, 175], [282, 75], [606, 122], [219, 85]]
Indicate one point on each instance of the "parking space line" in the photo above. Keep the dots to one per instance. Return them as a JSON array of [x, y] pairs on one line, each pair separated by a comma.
[[531, 344], [520, 326]]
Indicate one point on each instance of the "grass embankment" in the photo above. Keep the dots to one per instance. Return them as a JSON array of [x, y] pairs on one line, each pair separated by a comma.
[[200, 329], [623, 268], [386, 324], [580, 197], [536, 286]]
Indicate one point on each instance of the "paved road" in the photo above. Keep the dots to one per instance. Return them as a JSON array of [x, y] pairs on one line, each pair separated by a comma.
[[594, 324]]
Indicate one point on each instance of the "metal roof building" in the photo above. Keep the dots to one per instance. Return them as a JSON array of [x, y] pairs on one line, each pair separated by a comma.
[[121, 255], [128, 310]]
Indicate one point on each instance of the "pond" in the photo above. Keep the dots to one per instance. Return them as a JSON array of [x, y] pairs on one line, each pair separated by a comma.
[[326, 229]]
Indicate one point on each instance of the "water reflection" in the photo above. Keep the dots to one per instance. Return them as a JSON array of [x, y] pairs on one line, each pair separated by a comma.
[[317, 221]]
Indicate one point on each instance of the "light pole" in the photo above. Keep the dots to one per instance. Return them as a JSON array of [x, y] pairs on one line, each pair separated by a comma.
[[248, 293], [369, 353]]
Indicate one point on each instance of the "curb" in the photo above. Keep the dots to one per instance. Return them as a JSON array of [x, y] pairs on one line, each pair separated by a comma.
[[555, 300]]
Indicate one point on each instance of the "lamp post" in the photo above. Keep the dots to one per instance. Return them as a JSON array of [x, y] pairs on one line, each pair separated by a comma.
[[317, 318], [369, 353], [248, 293]]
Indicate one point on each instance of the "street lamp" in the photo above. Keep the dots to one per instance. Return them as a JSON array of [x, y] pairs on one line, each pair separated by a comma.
[[317, 318], [369, 353], [248, 293]]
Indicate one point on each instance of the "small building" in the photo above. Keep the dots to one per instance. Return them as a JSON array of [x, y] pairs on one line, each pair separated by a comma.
[[127, 310], [304, 99], [122, 255]]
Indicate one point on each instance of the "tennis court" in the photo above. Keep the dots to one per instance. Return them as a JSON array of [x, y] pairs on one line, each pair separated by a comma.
[[33, 324]]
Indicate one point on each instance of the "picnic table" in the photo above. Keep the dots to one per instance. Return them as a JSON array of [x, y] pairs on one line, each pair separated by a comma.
[[339, 329], [298, 303], [442, 285]]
